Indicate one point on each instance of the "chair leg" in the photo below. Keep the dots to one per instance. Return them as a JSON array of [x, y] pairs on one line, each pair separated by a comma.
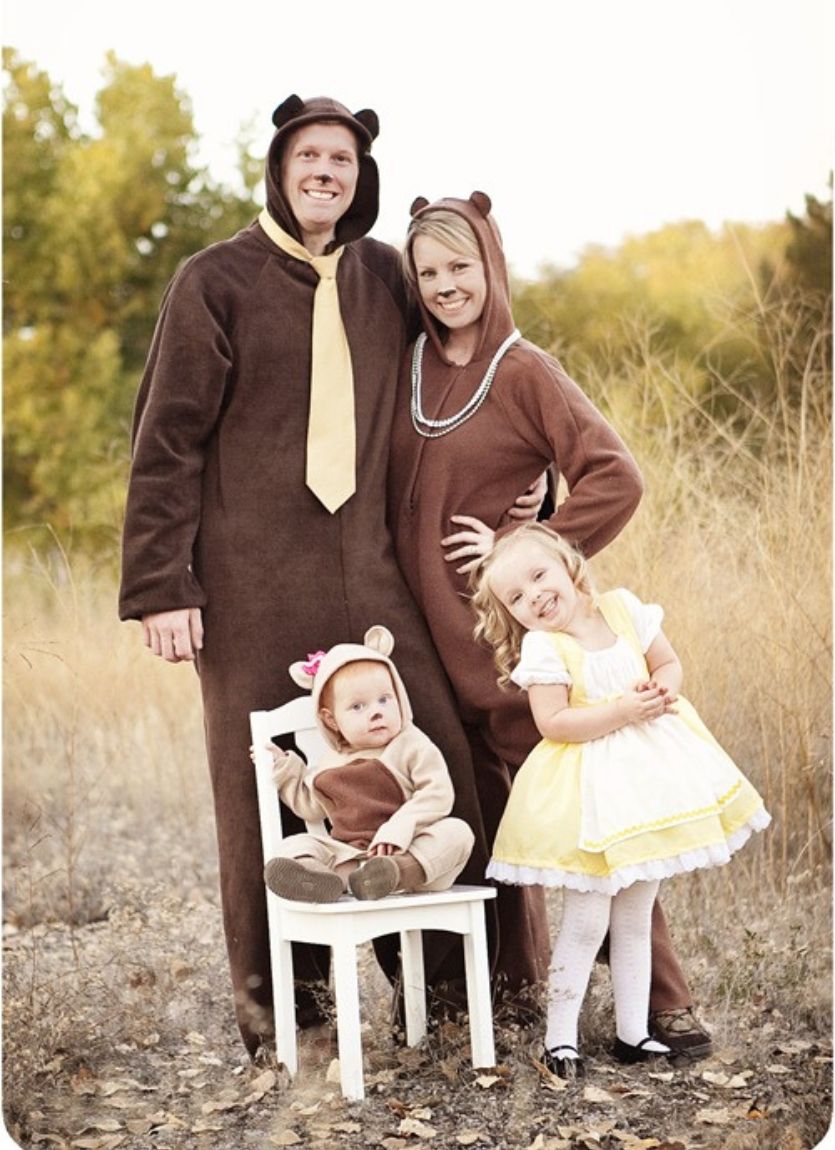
[[478, 990], [346, 992], [284, 1004], [414, 985]]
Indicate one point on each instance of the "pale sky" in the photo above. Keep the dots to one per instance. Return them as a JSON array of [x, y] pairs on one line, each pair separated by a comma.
[[584, 120]]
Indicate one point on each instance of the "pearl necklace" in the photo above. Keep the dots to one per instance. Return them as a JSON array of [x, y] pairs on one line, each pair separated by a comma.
[[445, 426]]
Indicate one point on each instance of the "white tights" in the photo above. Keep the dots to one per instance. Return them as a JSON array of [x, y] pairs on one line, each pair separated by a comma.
[[586, 918]]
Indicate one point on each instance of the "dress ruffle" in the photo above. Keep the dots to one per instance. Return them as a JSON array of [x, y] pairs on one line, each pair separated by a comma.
[[713, 855]]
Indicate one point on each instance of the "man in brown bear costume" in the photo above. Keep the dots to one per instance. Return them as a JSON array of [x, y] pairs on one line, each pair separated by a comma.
[[255, 526]]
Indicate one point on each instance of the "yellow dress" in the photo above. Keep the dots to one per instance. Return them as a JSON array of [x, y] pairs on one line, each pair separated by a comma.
[[643, 802]]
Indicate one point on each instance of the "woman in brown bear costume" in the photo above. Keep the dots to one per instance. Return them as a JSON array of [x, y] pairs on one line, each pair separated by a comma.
[[480, 413]]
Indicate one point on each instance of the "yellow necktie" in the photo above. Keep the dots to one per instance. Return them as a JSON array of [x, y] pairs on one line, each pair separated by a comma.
[[331, 432]]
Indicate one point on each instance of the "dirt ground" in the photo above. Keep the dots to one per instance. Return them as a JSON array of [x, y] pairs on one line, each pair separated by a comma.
[[119, 1033]]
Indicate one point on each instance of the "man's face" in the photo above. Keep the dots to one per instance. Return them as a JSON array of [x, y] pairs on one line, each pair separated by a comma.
[[319, 173]]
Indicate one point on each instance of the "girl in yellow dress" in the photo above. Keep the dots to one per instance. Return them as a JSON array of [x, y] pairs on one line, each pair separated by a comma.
[[626, 787]]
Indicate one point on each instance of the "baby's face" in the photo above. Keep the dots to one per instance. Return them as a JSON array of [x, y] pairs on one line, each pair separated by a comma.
[[365, 705]]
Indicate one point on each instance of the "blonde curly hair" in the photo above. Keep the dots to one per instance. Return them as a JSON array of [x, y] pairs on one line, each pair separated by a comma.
[[496, 626]]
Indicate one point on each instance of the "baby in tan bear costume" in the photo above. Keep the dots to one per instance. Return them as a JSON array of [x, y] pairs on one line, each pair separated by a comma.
[[383, 786]]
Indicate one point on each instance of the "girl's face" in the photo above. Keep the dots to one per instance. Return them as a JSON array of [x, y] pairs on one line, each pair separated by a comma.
[[535, 587], [451, 285]]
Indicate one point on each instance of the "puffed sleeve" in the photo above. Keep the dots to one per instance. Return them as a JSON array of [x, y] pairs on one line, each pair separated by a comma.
[[646, 617], [539, 664]]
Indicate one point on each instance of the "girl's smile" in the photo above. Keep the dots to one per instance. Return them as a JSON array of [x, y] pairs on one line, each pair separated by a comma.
[[536, 588]]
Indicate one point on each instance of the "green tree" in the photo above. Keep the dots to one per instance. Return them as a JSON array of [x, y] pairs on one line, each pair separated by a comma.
[[95, 226]]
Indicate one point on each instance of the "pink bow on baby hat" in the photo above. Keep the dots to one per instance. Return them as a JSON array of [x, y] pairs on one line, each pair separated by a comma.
[[313, 662]]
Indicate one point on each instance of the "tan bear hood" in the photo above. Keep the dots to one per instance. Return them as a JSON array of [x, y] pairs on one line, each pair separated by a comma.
[[379, 643]]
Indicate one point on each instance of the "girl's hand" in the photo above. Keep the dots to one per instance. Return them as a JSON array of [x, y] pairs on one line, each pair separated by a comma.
[[472, 544], [645, 702], [670, 699]]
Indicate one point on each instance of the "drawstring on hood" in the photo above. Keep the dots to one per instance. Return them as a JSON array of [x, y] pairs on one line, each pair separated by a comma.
[[295, 113]]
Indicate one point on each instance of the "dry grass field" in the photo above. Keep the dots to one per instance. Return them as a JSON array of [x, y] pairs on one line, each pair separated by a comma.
[[118, 1028]]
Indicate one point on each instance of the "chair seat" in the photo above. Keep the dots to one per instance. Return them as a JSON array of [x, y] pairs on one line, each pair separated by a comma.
[[347, 904]]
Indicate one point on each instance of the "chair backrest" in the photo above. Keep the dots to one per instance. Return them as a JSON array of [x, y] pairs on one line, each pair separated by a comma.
[[296, 718]]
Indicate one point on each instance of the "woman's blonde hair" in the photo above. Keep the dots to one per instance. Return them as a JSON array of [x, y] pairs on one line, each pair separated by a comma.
[[448, 228], [496, 626]]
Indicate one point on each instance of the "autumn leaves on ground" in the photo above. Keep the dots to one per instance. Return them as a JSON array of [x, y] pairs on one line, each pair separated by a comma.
[[118, 1028]]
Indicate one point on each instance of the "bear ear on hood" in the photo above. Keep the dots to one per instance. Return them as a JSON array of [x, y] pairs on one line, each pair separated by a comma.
[[482, 202], [370, 121], [301, 677], [287, 110], [418, 205], [379, 639]]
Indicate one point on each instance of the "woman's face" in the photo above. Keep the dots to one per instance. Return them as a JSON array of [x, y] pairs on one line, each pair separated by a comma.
[[451, 285]]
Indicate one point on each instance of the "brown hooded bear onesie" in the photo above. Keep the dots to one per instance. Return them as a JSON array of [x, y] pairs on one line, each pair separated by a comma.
[[219, 517]]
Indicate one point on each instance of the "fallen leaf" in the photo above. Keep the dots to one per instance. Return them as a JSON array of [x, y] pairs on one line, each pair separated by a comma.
[[394, 1143], [422, 1112], [220, 1105], [596, 1094], [105, 1125], [106, 1142], [285, 1138], [552, 1081], [332, 1074], [485, 1081], [661, 1075], [417, 1128], [777, 1068], [347, 1127], [467, 1137], [206, 1128], [719, 1117]]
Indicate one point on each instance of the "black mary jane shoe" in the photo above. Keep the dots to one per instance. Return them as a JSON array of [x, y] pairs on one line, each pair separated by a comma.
[[567, 1068], [625, 1052]]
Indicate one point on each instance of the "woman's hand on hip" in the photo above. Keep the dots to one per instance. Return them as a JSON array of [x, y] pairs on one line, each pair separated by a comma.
[[471, 544]]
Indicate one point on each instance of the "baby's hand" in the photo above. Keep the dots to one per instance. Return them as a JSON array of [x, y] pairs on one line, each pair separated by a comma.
[[278, 755], [382, 849]]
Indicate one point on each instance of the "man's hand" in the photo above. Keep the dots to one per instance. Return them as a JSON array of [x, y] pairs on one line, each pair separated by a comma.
[[527, 506], [175, 636]]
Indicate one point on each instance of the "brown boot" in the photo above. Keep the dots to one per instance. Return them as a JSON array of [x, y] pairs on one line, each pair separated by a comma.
[[412, 874], [375, 878], [303, 880], [384, 874]]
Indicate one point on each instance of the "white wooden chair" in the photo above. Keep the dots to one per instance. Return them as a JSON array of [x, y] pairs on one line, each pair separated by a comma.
[[343, 925]]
